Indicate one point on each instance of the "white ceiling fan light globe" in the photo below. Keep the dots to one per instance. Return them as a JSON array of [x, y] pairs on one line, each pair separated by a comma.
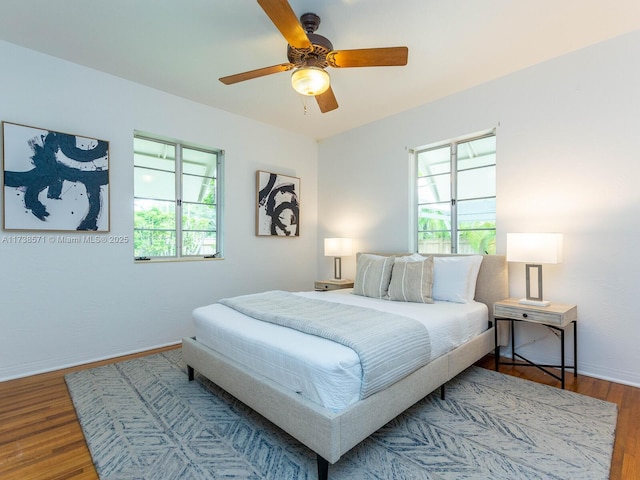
[[310, 81]]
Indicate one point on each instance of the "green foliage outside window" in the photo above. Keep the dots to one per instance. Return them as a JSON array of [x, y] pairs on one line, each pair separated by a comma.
[[155, 235], [481, 239]]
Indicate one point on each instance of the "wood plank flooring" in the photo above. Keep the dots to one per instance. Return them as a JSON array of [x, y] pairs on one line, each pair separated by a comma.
[[41, 439]]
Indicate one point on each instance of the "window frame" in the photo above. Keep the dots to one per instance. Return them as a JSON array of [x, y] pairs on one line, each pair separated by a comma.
[[454, 171], [179, 201]]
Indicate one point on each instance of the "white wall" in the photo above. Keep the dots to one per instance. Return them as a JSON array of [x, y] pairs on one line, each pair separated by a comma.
[[68, 304], [568, 137]]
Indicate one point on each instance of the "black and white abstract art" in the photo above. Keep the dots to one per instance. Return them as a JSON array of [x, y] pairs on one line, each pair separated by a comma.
[[54, 181], [278, 207]]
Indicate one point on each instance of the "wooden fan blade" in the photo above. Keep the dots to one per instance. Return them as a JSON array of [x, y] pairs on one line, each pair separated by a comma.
[[285, 20], [369, 57], [327, 101], [260, 72]]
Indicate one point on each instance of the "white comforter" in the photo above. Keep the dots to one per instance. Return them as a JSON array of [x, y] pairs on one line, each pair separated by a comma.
[[321, 370]]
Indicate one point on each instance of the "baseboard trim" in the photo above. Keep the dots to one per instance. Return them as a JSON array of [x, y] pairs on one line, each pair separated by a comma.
[[95, 362]]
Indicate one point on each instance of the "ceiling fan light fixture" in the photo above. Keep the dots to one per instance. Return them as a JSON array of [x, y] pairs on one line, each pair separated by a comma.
[[310, 81]]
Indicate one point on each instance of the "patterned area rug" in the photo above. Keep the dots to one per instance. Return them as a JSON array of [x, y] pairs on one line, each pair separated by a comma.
[[142, 419]]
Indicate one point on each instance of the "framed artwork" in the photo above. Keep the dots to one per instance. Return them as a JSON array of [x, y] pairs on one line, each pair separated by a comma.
[[54, 181], [278, 207]]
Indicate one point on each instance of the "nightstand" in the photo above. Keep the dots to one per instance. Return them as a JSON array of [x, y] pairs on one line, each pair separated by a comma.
[[324, 285], [556, 316]]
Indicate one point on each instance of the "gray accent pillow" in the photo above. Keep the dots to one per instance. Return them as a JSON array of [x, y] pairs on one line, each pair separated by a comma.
[[373, 273], [412, 281]]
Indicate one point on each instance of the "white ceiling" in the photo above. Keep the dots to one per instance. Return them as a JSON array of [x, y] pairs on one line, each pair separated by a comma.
[[184, 46]]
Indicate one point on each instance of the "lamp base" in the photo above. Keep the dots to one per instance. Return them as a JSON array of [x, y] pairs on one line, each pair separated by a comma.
[[536, 303], [337, 268]]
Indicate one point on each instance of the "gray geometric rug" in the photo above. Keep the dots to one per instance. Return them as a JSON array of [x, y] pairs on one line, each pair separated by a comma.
[[143, 420]]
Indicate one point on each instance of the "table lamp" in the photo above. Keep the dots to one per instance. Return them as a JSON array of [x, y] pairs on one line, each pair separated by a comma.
[[337, 248], [534, 249]]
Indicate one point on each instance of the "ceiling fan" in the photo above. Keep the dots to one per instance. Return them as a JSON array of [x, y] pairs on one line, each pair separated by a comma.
[[310, 54]]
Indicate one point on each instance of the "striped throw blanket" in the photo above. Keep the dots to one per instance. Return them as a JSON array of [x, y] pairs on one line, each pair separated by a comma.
[[389, 346]]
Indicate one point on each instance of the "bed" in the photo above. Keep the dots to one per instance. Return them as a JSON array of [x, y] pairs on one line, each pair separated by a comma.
[[330, 425]]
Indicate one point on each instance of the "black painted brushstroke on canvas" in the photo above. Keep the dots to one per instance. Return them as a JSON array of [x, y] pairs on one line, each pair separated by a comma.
[[50, 173], [280, 203]]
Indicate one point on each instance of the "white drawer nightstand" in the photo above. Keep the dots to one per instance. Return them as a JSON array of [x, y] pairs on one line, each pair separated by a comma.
[[324, 285], [556, 316]]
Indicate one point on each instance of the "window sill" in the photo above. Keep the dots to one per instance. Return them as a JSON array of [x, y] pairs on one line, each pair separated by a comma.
[[178, 259]]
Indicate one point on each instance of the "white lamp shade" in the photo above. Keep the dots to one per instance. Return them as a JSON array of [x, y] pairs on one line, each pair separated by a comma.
[[534, 247], [310, 80], [337, 247]]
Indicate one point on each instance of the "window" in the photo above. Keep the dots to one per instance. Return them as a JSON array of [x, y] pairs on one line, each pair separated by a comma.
[[456, 196], [177, 192]]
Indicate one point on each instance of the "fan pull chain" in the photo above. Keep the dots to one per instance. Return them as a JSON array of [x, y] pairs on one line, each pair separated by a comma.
[[303, 99]]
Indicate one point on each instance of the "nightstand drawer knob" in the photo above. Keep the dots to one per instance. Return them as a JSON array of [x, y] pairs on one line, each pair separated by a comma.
[[524, 315]]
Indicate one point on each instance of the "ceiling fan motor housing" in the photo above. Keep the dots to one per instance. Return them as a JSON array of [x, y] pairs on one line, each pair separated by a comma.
[[321, 45]]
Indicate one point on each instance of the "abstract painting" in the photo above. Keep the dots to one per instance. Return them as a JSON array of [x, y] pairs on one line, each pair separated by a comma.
[[278, 207], [54, 181]]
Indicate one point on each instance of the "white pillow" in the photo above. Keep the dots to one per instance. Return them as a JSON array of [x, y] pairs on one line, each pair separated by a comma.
[[373, 274], [454, 278], [415, 257], [412, 281]]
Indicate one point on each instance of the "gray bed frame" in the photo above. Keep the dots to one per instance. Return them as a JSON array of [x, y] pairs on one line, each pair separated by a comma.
[[331, 434]]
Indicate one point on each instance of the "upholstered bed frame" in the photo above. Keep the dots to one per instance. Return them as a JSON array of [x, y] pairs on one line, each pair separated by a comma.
[[329, 434]]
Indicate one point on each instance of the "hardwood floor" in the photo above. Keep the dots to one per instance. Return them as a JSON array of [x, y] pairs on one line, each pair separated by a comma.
[[40, 437]]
